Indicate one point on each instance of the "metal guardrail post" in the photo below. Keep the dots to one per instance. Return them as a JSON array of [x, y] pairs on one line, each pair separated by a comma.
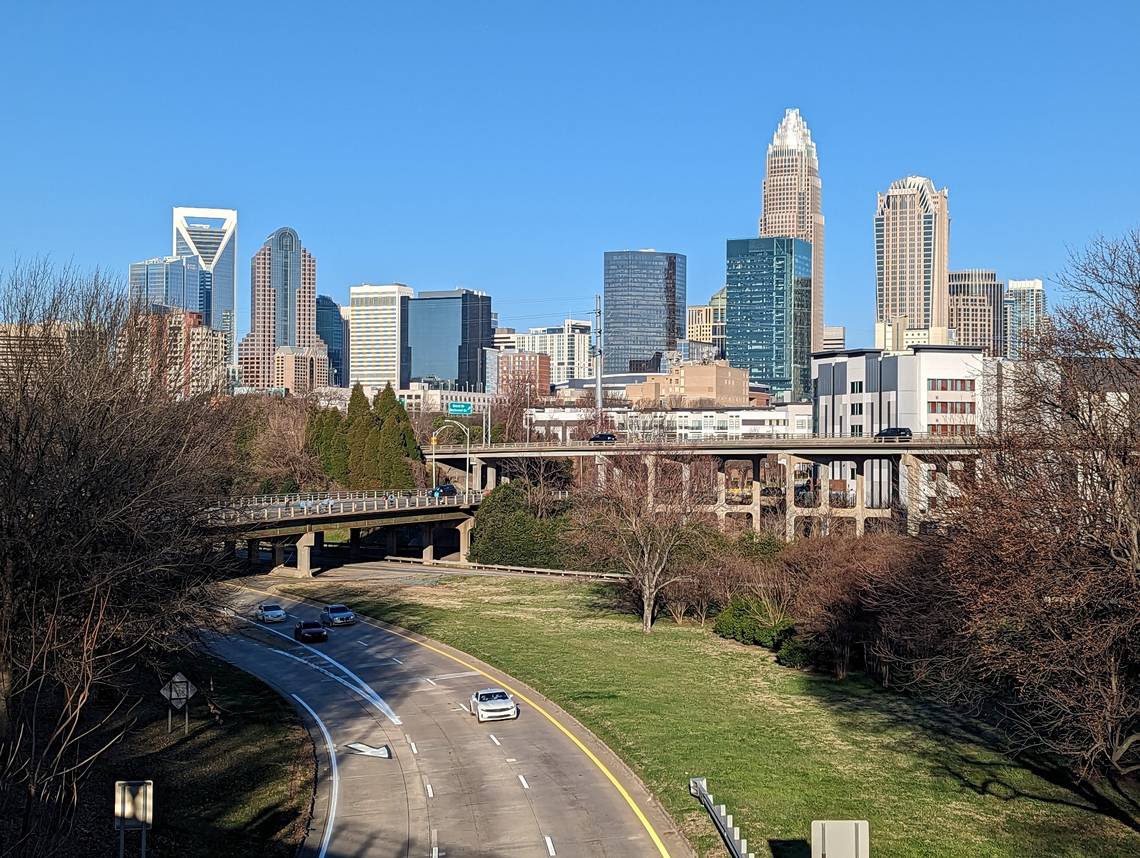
[[730, 834]]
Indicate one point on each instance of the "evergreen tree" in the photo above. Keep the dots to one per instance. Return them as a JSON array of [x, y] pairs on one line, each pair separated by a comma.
[[338, 452], [357, 403], [357, 439], [374, 475], [394, 468], [383, 403]]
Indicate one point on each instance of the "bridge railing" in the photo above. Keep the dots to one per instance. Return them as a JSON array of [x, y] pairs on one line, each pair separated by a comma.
[[268, 508]]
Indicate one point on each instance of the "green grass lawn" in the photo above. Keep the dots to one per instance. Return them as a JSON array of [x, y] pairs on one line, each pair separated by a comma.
[[239, 783], [778, 746]]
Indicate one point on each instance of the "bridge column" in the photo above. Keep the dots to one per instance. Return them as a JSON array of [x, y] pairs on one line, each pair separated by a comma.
[[650, 463], [492, 477], [278, 553], [789, 462], [721, 482], [465, 527], [476, 475], [319, 540], [253, 551], [390, 547], [757, 506], [428, 533], [228, 548], [686, 482], [354, 543], [914, 484], [304, 549], [860, 500]]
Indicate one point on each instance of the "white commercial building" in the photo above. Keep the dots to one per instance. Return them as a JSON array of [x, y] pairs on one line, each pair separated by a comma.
[[694, 424], [377, 328], [567, 344]]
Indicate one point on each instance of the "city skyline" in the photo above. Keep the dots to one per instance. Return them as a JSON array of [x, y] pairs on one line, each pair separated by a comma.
[[529, 166]]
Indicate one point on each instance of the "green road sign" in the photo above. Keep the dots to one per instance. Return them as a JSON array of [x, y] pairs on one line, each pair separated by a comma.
[[460, 408]]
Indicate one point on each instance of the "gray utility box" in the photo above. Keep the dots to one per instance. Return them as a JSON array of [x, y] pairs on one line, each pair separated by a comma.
[[840, 838]]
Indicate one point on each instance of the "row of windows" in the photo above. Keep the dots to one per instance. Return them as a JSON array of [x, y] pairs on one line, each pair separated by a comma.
[[950, 408], [965, 384], [953, 429]]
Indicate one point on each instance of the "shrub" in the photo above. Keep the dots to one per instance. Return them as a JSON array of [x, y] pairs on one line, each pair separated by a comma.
[[796, 651], [743, 620]]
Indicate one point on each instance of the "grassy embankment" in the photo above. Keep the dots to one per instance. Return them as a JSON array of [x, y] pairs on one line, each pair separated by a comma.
[[239, 783], [780, 747]]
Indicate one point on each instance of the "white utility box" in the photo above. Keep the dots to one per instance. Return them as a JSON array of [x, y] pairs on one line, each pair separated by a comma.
[[840, 838]]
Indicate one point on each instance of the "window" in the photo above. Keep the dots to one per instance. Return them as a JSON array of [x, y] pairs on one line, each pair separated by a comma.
[[856, 409], [856, 430], [856, 387]]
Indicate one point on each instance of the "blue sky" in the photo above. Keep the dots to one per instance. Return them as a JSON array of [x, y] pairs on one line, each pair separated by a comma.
[[505, 146]]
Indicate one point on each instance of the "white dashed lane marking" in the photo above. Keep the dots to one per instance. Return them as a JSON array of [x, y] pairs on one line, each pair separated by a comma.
[[549, 845], [522, 781], [495, 740]]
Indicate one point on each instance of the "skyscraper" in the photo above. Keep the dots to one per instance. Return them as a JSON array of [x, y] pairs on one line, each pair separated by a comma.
[[448, 332], [792, 204], [568, 346], [282, 348], [975, 310], [644, 311], [769, 313], [211, 235], [1025, 315], [912, 256], [706, 322], [171, 281], [378, 332], [333, 331]]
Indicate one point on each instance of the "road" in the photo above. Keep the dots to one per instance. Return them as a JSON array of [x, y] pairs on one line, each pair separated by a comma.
[[537, 786]]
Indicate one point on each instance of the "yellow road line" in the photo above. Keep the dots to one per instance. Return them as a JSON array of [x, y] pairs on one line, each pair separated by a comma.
[[602, 767]]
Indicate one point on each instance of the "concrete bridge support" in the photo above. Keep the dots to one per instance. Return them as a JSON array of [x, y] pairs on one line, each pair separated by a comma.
[[427, 532], [354, 543], [465, 527], [253, 551], [304, 557], [278, 553]]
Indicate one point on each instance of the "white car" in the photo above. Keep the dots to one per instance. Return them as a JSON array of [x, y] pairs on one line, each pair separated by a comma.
[[267, 612], [493, 704]]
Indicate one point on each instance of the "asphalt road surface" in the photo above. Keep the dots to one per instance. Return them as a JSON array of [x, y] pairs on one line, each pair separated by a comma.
[[540, 785]]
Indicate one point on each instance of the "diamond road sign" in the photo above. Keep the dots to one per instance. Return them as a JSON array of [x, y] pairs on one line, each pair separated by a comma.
[[460, 408], [178, 690]]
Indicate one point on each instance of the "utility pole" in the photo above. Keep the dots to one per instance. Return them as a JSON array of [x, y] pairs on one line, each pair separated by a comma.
[[598, 362]]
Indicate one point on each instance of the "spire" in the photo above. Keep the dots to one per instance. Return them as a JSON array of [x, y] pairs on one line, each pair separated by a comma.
[[792, 132]]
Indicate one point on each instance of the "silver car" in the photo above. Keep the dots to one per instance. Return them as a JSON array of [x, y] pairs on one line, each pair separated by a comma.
[[267, 612], [493, 704], [338, 615]]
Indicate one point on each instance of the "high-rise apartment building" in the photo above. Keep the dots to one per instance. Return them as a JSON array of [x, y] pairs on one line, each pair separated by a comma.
[[378, 333], [171, 281], [282, 348], [567, 344], [189, 357], [644, 312], [834, 338], [792, 204], [447, 334], [769, 313], [523, 373], [912, 257], [211, 235], [333, 331], [706, 322], [1024, 313], [975, 310]]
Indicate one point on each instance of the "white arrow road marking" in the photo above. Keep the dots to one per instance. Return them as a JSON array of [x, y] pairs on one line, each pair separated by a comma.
[[549, 845], [366, 693], [334, 777], [368, 750], [456, 675], [496, 741], [522, 781]]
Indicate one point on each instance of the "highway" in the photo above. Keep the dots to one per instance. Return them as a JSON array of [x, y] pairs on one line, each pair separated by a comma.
[[540, 785]]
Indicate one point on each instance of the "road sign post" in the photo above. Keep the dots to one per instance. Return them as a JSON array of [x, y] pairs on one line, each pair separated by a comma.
[[134, 809], [178, 692]]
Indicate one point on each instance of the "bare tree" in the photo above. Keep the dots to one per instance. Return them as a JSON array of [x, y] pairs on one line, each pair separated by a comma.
[[644, 521], [105, 480]]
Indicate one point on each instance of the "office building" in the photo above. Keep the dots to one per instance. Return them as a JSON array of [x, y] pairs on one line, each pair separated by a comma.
[[567, 344], [504, 338], [522, 373], [792, 206], [644, 311], [834, 338], [706, 322], [211, 235], [912, 256], [1024, 314], [713, 384], [190, 357], [379, 353], [447, 333], [282, 349], [769, 315], [975, 310], [171, 281], [332, 330], [346, 348], [568, 421]]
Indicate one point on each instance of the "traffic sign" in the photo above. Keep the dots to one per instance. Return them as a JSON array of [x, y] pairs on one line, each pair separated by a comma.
[[134, 804], [178, 690], [460, 408]]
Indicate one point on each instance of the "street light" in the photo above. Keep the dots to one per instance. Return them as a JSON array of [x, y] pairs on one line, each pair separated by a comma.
[[467, 432]]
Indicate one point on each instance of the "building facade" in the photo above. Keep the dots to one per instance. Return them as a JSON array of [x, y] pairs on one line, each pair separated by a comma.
[[447, 334], [769, 314], [282, 348], [568, 346], [524, 372], [1024, 314], [211, 235], [333, 331], [834, 338], [379, 353], [170, 281], [792, 204], [693, 384], [566, 422], [706, 322], [912, 255], [644, 311], [976, 312], [190, 357]]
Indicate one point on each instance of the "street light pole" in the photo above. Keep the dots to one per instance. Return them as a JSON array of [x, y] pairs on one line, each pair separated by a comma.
[[467, 432]]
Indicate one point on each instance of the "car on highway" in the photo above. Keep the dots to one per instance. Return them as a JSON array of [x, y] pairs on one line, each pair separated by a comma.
[[604, 438], [493, 704], [894, 433], [338, 615], [268, 612], [447, 490], [308, 631]]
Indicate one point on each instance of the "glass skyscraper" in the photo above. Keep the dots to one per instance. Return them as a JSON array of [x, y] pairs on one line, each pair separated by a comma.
[[1024, 311], [768, 317], [644, 311], [331, 327], [447, 334], [211, 235], [172, 281]]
